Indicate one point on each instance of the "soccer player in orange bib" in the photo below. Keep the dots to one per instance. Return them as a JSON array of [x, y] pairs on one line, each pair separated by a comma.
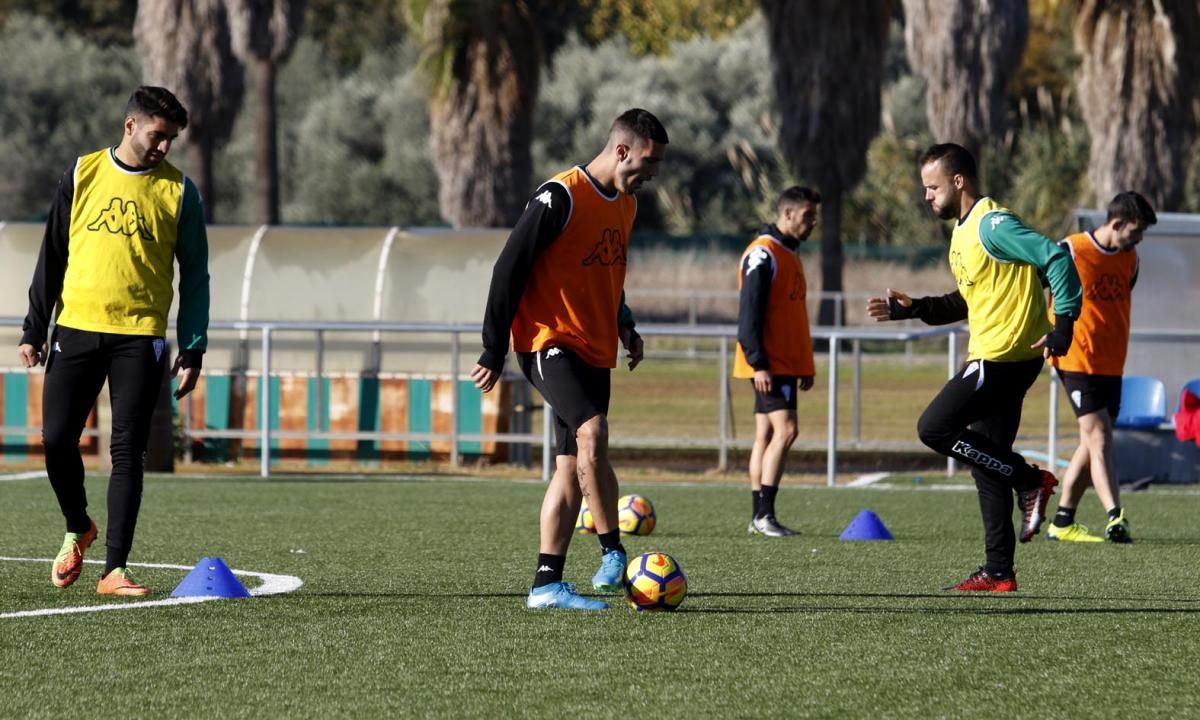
[[1107, 263], [774, 348], [558, 288]]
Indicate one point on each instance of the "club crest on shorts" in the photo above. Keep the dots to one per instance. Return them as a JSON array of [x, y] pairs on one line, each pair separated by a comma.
[[158, 349], [786, 389], [1077, 398]]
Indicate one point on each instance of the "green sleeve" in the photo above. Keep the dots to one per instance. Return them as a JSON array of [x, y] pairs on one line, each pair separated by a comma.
[[1006, 238], [191, 250], [624, 314]]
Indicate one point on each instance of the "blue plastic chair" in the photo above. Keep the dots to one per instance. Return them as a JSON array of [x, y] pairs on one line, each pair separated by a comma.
[[1143, 402], [1193, 385]]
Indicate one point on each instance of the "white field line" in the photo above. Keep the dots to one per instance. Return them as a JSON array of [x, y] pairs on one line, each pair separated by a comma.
[[272, 584], [869, 479], [31, 475]]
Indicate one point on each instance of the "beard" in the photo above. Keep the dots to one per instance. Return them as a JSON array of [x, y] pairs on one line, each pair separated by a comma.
[[948, 212], [146, 156]]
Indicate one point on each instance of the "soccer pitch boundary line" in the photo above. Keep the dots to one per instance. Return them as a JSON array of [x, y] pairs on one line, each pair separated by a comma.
[[272, 584]]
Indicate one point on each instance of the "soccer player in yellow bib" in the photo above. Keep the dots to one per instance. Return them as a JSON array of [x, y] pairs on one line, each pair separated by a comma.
[[998, 264], [1107, 263], [121, 218]]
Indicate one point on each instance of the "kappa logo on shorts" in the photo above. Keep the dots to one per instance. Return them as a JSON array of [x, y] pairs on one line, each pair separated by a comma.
[[1077, 398], [57, 347], [553, 352], [158, 349]]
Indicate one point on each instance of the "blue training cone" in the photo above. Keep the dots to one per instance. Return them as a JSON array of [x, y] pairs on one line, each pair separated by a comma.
[[211, 578], [866, 526]]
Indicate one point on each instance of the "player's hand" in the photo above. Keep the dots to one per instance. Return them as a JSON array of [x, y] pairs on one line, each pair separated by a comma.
[[484, 378], [1057, 342], [187, 377], [896, 306], [762, 381], [30, 355], [633, 345], [806, 383]]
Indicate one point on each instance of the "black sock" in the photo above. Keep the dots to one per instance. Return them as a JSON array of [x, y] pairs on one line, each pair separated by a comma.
[[549, 569], [79, 523], [1114, 513], [1064, 517], [767, 505], [757, 495], [114, 559], [611, 540]]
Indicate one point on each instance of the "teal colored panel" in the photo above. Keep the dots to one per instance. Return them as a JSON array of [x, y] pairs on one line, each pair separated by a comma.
[[420, 415], [275, 407], [368, 416], [16, 413], [470, 415], [217, 392], [217, 389], [318, 448]]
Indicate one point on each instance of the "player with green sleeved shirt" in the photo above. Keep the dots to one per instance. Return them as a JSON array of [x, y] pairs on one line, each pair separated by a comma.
[[999, 266], [120, 220]]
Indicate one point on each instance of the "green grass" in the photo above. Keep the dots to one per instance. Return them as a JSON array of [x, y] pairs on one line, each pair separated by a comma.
[[412, 605]]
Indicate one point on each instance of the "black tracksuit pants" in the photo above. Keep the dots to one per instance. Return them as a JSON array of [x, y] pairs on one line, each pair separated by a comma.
[[77, 364], [974, 419]]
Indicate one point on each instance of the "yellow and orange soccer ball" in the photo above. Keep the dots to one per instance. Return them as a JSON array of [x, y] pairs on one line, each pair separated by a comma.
[[586, 524], [655, 581], [635, 515]]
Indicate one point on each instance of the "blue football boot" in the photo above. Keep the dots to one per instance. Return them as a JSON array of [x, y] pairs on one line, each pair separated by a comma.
[[611, 575], [561, 596]]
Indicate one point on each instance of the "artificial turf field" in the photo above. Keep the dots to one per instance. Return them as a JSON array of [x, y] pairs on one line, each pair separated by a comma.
[[412, 606]]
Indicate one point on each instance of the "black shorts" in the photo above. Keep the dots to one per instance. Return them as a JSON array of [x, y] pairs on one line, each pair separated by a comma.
[[781, 397], [1090, 393], [576, 390]]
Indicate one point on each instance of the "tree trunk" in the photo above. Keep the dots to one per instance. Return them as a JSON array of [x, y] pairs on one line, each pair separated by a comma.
[[200, 160], [266, 153], [1137, 85], [831, 310]]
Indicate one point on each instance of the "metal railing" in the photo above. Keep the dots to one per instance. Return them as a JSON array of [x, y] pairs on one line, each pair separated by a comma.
[[724, 334]]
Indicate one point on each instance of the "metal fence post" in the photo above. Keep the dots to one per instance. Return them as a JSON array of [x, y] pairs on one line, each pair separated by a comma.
[[264, 391], [857, 391], [723, 388], [831, 447], [454, 351]]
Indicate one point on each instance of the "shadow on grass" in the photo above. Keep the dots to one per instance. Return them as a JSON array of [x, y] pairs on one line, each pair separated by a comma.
[[963, 604]]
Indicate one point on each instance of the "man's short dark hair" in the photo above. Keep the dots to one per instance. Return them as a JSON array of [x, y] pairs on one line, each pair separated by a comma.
[[153, 101], [1130, 206], [796, 195], [955, 158], [641, 123]]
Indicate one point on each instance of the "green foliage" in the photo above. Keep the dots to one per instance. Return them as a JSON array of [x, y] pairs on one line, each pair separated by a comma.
[[652, 27], [367, 153], [722, 170], [105, 22], [65, 97], [350, 30]]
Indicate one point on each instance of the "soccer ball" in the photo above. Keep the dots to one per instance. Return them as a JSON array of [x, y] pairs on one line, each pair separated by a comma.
[[655, 581], [635, 515], [586, 524]]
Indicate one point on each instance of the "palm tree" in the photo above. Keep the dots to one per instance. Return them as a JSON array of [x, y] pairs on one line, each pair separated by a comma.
[[967, 52], [264, 33], [484, 60], [1136, 86], [827, 65], [185, 47]]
